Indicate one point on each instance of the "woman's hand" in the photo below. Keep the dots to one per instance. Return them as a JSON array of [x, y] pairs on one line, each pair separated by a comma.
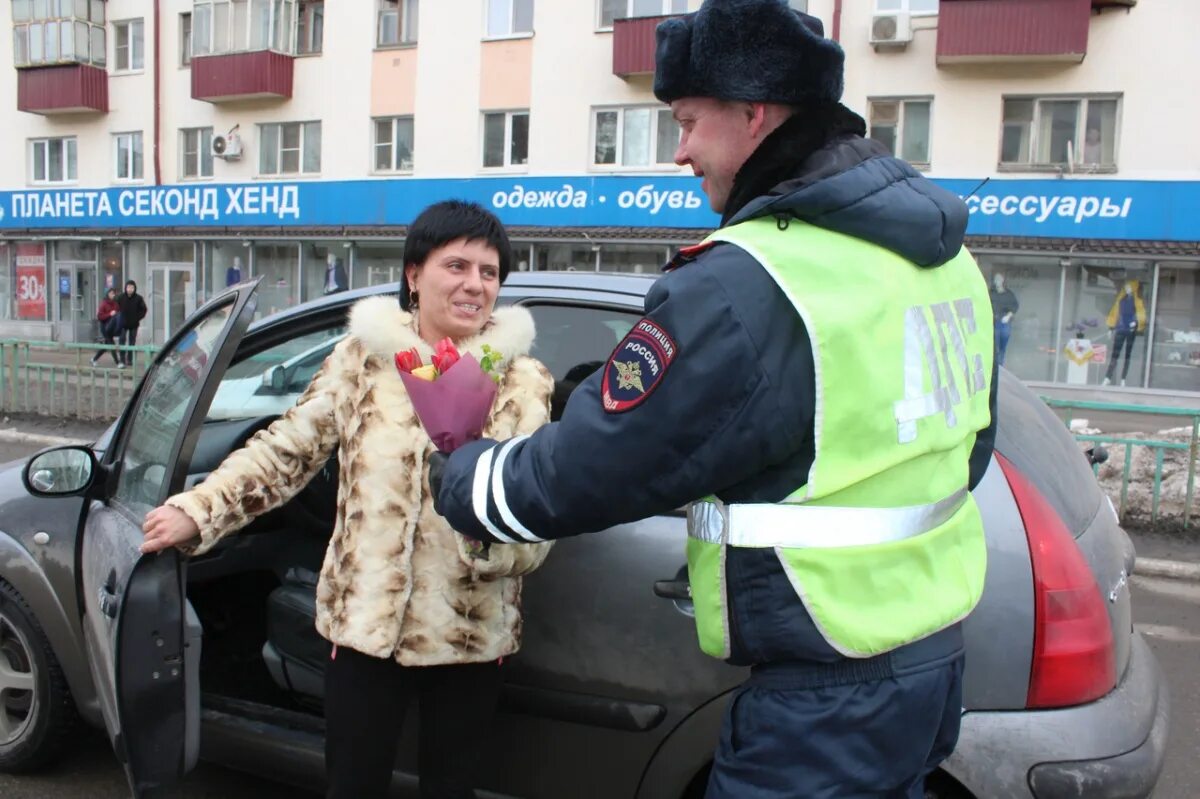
[[167, 527]]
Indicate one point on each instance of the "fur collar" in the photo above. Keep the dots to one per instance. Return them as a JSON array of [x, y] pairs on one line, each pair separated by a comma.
[[385, 329]]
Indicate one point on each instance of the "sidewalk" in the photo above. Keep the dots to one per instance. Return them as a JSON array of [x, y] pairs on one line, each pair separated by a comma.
[[27, 424]]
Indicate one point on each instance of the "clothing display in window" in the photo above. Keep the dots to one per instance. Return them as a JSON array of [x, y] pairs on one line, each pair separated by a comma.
[[335, 275], [1004, 306], [1126, 318], [233, 275]]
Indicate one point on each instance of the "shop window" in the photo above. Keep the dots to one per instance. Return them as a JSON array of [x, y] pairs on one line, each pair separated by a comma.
[[1060, 132], [49, 32], [634, 137], [623, 9], [505, 139], [129, 46], [637, 259], [377, 264], [509, 17], [393, 145], [397, 23], [1098, 312], [233, 26], [53, 160], [1034, 334], [903, 127], [195, 153], [127, 156], [289, 148], [1175, 348]]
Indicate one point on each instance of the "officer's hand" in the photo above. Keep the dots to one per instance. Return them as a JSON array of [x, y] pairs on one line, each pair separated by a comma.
[[437, 465], [167, 527]]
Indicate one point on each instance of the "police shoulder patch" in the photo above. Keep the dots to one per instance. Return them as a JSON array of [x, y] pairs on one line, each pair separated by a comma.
[[637, 366]]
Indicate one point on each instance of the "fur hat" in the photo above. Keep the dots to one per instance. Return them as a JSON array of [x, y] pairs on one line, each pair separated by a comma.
[[754, 50]]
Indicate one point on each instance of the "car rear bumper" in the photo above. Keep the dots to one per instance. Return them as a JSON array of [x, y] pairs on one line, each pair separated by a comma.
[[1112, 748]]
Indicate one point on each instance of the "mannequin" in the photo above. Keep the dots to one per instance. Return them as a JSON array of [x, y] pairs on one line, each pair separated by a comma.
[[335, 275], [1126, 319], [1004, 306], [233, 275]]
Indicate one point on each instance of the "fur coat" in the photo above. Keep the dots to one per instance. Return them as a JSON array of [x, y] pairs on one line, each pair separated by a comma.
[[396, 581]]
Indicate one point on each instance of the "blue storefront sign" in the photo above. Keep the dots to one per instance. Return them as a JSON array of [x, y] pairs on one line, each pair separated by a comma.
[[1054, 208]]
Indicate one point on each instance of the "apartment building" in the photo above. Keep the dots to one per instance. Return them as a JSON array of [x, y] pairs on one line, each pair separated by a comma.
[[215, 140]]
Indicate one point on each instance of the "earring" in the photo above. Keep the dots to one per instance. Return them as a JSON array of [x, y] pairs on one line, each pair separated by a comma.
[[413, 298]]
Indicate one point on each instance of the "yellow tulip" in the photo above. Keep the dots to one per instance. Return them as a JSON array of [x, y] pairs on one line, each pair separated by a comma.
[[427, 372]]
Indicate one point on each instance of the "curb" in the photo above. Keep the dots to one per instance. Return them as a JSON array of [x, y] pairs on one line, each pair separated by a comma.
[[1171, 569], [17, 437]]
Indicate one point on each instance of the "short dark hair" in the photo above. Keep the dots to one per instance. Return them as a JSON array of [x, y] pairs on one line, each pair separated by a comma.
[[451, 220]]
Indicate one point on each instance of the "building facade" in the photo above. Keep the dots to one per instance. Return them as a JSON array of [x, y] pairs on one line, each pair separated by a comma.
[[219, 140]]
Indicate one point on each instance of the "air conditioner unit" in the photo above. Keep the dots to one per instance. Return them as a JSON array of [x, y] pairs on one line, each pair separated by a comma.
[[228, 147], [892, 28]]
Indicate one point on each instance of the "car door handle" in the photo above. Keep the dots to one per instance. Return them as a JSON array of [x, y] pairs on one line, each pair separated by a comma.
[[673, 589], [108, 596]]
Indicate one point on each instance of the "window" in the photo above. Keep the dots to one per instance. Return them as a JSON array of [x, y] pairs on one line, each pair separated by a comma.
[[185, 39], [310, 26], [397, 24], [270, 382], [623, 9], [903, 127], [58, 31], [506, 139], [53, 160], [129, 48], [195, 153], [289, 148], [394, 144], [509, 17], [232, 26], [634, 137], [127, 152], [575, 341], [154, 427], [914, 7], [1049, 132]]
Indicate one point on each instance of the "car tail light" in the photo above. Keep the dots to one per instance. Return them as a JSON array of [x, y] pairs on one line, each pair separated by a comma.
[[1074, 660]]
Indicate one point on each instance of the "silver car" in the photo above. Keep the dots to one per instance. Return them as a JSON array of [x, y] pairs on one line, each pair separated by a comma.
[[217, 657]]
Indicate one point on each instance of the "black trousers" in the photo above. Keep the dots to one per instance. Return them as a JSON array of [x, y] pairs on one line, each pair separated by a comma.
[[128, 339], [365, 703], [1121, 338]]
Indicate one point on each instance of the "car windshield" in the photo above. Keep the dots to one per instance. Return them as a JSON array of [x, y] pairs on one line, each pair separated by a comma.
[[269, 382]]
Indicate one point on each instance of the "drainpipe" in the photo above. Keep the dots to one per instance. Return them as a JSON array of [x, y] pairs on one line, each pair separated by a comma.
[[157, 91], [837, 20]]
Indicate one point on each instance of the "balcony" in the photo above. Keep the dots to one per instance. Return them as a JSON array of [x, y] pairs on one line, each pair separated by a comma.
[[229, 77], [1014, 31], [633, 45], [62, 89]]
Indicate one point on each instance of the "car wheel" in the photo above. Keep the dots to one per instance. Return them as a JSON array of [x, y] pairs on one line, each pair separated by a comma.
[[37, 713]]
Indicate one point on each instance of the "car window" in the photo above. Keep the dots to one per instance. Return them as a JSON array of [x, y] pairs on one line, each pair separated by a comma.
[[575, 340], [154, 427], [269, 382]]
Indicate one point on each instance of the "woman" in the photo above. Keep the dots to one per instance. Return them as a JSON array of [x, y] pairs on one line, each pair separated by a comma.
[[133, 311], [109, 317], [413, 609]]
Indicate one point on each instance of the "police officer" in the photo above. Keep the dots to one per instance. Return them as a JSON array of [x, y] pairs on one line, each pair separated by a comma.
[[815, 379]]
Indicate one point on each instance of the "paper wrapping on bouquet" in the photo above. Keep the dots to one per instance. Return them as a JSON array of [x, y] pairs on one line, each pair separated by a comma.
[[455, 407]]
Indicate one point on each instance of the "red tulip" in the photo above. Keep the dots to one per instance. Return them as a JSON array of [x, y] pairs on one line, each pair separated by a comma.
[[408, 360], [445, 356]]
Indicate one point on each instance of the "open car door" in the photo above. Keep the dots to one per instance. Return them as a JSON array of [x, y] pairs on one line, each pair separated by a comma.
[[141, 635]]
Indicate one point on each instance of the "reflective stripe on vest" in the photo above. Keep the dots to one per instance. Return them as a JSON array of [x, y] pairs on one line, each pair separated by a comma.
[[812, 526]]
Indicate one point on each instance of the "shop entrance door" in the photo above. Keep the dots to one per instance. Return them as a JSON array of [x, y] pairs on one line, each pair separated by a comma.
[[171, 300], [76, 303]]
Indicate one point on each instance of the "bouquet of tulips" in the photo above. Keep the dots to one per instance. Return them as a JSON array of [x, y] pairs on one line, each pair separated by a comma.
[[453, 395]]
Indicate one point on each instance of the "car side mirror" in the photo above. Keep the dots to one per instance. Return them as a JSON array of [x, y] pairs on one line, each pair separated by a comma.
[[60, 472], [275, 379]]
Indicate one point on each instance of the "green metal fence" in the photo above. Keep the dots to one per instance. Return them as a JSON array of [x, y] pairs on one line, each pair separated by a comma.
[[1160, 448], [60, 379]]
